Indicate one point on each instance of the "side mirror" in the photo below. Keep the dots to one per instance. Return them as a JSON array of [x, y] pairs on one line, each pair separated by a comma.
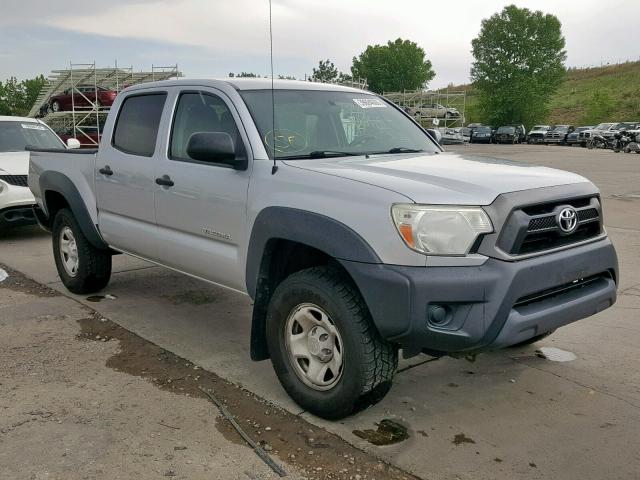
[[214, 147], [73, 143]]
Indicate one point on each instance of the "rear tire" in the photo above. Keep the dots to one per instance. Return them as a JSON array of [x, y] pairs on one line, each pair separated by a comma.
[[82, 267], [367, 362]]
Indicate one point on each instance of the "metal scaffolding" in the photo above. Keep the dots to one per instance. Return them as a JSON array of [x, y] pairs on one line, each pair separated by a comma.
[[80, 120], [425, 106]]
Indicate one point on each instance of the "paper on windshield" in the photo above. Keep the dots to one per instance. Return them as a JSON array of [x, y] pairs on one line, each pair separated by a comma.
[[33, 126], [369, 102]]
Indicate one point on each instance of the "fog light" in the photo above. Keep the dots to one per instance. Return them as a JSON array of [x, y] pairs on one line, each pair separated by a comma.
[[439, 315]]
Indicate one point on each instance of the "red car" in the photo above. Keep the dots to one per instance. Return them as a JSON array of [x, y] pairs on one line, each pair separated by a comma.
[[89, 137], [83, 96]]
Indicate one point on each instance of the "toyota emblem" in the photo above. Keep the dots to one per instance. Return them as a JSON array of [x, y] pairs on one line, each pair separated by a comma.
[[567, 220]]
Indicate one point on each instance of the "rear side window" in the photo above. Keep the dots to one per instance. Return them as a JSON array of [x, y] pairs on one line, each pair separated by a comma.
[[136, 128]]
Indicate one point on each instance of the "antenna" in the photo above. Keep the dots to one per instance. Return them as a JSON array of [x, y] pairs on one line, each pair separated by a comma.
[[274, 169]]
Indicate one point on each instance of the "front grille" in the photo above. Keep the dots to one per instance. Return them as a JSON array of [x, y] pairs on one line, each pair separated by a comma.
[[535, 228], [560, 290], [17, 180]]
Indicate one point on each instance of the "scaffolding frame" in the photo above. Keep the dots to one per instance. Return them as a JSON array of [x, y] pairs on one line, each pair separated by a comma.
[[415, 101], [80, 119]]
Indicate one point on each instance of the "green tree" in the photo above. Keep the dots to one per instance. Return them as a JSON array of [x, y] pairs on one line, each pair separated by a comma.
[[326, 72], [396, 66], [17, 97], [519, 63]]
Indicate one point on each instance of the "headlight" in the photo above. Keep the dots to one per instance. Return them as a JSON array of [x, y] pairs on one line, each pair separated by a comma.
[[440, 230]]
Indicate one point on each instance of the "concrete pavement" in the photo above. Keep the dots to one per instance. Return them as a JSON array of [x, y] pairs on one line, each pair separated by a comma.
[[508, 415]]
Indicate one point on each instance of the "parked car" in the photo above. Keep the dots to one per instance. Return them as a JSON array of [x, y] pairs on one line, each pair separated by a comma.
[[451, 136], [558, 134], [619, 127], [435, 110], [574, 137], [466, 134], [84, 96], [89, 137], [481, 134], [16, 201], [585, 136], [352, 245], [537, 133], [506, 134]]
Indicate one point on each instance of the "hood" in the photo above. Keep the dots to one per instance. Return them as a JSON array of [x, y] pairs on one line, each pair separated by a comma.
[[14, 163], [445, 178]]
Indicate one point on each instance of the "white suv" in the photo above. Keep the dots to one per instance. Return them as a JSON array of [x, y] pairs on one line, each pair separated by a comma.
[[16, 200]]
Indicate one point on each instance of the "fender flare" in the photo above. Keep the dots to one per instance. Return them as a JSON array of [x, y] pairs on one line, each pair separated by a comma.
[[51, 181], [312, 229]]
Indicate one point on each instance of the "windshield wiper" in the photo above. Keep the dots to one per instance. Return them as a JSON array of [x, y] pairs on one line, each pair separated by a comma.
[[321, 154], [398, 150], [405, 150]]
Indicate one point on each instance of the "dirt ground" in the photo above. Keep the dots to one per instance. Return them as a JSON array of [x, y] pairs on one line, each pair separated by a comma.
[[83, 398]]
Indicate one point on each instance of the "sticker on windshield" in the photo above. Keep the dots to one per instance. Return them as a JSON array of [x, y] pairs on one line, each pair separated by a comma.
[[33, 126], [369, 102]]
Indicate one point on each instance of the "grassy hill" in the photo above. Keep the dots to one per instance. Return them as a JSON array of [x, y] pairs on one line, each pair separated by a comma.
[[587, 96]]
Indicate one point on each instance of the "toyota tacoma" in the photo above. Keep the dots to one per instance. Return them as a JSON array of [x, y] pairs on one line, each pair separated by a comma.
[[353, 232]]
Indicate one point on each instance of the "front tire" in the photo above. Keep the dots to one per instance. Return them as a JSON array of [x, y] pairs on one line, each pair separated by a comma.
[[82, 267], [325, 350]]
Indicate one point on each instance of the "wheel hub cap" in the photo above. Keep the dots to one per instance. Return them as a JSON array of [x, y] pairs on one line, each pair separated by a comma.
[[314, 346], [69, 251], [320, 344]]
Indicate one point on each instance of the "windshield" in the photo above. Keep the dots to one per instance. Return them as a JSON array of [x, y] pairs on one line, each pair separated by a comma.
[[314, 124], [15, 136], [561, 128], [506, 130], [624, 125], [603, 126], [483, 130], [541, 127]]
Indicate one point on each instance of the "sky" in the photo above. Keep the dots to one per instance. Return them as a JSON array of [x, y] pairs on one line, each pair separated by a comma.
[[210, 38]]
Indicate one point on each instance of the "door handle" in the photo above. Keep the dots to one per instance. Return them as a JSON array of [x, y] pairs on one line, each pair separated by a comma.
[[165, 181], [106, 170]]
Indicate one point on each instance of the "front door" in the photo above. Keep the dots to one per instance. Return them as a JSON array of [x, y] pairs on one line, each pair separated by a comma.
[[201, 208], [124, 175]]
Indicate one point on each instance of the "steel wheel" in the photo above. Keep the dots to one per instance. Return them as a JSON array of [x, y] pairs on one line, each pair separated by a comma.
[[69, 251], [314, 346]]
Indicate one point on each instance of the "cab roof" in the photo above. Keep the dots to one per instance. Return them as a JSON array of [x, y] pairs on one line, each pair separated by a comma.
[[251, 84], [6, 118]]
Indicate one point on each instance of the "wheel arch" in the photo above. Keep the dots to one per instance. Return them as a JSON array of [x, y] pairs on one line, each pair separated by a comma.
[[58, 191], [286, 240]]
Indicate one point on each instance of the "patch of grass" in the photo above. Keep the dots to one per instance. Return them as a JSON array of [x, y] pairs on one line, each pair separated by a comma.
[[586, 97]]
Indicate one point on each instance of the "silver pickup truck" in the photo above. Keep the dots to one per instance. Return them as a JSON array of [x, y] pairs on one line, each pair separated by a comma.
[[353, 232]]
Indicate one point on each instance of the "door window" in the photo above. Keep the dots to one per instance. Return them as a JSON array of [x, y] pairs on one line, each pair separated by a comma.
[[198, 112], [137, 125]]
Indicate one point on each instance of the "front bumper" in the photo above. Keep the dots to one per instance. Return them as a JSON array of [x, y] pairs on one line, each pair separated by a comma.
[[16, 206], [491, 306], [17, 217]]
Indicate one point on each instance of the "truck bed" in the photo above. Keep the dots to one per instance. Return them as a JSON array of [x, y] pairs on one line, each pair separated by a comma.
[[75, 168]]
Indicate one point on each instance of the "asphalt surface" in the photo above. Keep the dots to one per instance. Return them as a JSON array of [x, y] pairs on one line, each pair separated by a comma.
[[509, 414]]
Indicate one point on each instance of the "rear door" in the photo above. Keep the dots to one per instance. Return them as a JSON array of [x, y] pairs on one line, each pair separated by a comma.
[[201, 216], [124, 175]]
